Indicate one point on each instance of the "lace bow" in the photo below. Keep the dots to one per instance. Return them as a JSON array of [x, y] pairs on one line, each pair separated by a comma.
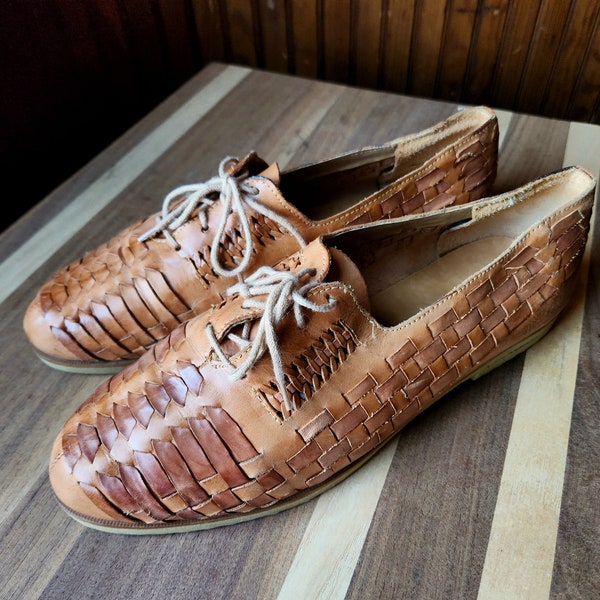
[[235, 194], [284, 291]]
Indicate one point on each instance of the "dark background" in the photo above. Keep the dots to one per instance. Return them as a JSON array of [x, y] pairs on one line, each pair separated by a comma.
[[77, 73]]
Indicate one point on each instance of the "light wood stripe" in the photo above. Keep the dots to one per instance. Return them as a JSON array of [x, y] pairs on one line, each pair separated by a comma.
[[504, 118], [520, 555], [334, 537], [28, 257]]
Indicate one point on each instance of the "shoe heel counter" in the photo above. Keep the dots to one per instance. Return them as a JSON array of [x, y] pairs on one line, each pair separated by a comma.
[[567, 235], [476, 162]]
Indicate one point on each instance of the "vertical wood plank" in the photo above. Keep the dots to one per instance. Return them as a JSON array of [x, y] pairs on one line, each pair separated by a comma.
[[570, 57], [544, 46], [274, 28], [366, 42], [454, 51], [209, 29], [147, 45], [177, 21], [426, 43], [109, 34], [335, 29], [397, 28], [518, 31], [585, 98], [483, 55], [242, 39], [304, 15]]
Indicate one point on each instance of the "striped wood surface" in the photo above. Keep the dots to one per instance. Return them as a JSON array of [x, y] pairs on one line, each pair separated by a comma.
[[493, 493]]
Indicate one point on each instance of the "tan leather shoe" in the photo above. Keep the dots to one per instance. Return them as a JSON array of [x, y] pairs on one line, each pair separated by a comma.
[[308, 368], [103, 311]]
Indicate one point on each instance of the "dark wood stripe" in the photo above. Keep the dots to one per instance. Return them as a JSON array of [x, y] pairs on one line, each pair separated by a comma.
[[429, 533], [483, 54], [537, 72], [570, 58], [583, 100], [396, 41], [576, 575], [426, 40]]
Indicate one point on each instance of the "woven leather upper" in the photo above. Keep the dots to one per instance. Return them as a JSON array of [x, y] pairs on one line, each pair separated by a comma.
[[121, 298], [172, 439]]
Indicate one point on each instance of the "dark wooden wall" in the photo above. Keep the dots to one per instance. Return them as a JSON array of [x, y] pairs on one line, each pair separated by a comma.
[[77, 73]]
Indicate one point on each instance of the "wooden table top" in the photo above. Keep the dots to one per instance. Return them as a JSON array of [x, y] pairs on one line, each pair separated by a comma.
[[492, 493]]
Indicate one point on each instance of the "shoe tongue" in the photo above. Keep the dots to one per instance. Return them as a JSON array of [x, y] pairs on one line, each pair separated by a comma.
[[272, 173], [251, 163], [331, 265], [255, 165]]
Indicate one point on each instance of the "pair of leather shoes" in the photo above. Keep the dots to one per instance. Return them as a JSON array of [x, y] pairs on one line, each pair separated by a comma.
[[269, 331]]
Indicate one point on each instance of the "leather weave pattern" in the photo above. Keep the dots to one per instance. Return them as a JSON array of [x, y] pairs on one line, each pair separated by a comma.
[[205, 466], [462, 176], [121, 298]]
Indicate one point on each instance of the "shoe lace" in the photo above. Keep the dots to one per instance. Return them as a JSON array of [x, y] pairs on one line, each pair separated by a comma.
[[235, 194], [283, 290]]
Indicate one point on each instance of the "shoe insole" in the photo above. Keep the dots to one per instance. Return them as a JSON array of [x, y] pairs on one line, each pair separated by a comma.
[[405, 298], [340, 201]]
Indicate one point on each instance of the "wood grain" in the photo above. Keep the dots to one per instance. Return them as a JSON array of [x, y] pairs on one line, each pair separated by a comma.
[[366, 44], [307, 54], [416, 523], [545, 41], [274, 18], [454, 54], [335, 22], [584, 99], [90, 70], [396, 28], [426, 45], [485, 47], [570, 59]]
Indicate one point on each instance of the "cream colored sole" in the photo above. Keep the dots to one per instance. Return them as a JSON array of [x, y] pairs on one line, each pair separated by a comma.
[[182, 527], [84, 368], [512, 352]]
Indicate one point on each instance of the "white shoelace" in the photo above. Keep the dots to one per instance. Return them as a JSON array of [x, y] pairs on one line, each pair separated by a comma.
[[234, 194], [284, 290]]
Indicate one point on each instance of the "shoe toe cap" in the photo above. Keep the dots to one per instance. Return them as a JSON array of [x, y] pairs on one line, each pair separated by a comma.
[[69, 488], [40, 334]]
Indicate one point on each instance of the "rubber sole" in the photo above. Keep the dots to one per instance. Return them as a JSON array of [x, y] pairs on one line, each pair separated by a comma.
[[179, 527], [513, 351], [300, 498], [84, 368]]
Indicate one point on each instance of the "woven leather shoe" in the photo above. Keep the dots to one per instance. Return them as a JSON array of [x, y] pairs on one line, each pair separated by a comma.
[[103, 311], [308, 368]]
